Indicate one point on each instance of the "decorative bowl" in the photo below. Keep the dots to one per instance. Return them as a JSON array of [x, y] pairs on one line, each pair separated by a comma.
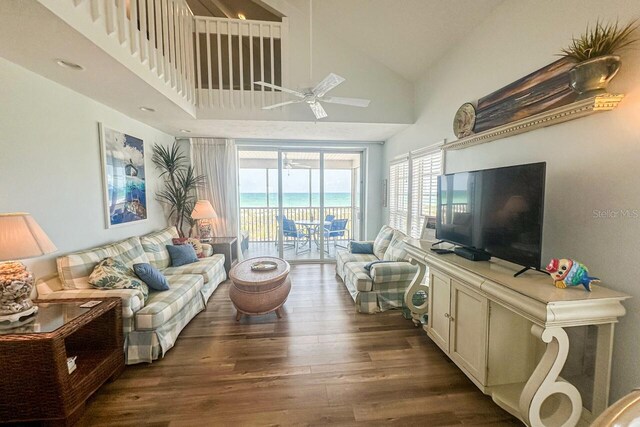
[[264, 266]]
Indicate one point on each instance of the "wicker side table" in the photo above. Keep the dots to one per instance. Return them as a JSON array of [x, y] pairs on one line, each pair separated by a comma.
[[36, 384], [259, 292]]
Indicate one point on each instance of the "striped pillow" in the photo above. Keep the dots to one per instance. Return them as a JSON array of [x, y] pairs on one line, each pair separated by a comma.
[[155, 246], [382, 241], [74, 269]]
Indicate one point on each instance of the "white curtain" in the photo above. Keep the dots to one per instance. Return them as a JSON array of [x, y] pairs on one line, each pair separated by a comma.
[[216, 159]]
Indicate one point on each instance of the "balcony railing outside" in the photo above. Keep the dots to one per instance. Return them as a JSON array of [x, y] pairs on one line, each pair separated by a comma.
[[262, 225]]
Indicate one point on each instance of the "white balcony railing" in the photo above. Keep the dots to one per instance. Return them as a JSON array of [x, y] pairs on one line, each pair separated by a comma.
[[193, 60], [262, 225], [231, 54]]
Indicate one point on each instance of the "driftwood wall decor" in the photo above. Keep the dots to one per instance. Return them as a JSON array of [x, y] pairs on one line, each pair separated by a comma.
[[540, 91]]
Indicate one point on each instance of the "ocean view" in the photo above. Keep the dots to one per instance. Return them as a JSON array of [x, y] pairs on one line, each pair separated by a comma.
[[291, 200]]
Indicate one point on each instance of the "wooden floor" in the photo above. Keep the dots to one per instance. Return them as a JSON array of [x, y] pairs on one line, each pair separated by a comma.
[[320, 364]]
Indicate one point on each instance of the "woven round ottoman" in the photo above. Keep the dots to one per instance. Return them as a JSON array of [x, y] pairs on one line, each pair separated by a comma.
[[259, 292]]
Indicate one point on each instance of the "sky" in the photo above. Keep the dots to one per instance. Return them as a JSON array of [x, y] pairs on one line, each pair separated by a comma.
[[295, 181]]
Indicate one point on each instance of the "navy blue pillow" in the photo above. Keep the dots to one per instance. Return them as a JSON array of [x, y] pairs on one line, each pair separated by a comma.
[[361, 248], [368, 266], [182, 255], [151, 276]]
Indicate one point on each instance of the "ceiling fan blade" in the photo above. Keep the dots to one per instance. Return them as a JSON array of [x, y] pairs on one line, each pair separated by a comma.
[[329, 82], [280, 88], [317, 109], [271, 107], [300, 165], [354, 102]]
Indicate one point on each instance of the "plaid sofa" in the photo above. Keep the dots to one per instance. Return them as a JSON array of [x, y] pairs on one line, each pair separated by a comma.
[[383, 287], [151, 327]]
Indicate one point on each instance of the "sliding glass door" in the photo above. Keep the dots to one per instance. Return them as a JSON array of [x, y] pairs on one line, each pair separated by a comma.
[[299, 204], [342, 205]]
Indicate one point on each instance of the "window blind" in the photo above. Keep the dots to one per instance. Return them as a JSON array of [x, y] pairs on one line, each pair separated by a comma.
[[399, 194], [425, 168]]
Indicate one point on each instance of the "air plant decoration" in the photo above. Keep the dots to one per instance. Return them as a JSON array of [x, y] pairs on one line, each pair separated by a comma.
[[595, 52], [601, 40], [181, 182]]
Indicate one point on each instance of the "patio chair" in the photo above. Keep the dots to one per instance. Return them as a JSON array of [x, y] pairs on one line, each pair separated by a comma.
[[329, 218], [290, 230], [336, 231], [284, 244]]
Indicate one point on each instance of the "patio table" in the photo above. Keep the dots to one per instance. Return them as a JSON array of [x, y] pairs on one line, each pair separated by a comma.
[[312, 228]]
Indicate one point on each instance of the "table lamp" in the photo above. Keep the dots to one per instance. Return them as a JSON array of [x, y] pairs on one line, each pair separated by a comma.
[[203, 212], [20, 237]]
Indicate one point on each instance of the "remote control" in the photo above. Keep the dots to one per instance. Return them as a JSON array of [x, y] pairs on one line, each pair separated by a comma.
[[442, 251]]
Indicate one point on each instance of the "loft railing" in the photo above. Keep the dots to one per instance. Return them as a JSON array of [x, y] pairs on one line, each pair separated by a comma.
[[231, 54], [154, 38], [158, 32], [194, 60], [262, 225]]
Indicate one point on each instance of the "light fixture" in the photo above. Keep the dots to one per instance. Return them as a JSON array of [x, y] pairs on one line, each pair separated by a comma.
[[147, 109], [69, 64], [185, 131], [241, 16], [203, 213], [20, 237]]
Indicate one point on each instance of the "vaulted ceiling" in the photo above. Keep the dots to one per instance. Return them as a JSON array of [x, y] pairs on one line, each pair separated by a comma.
[[406, 35]]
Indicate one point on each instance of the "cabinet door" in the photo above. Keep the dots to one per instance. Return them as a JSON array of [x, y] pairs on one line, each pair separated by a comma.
[[468, 346], [439, 309]]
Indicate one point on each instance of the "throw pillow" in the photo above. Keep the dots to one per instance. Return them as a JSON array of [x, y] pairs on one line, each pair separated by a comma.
[[113, 274], [382, 241], [361, 248], [197, 245], [396, 250], [182, 255], [151, 276]]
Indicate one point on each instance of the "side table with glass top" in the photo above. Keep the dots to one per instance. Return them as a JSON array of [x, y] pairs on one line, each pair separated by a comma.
[[36, 384]]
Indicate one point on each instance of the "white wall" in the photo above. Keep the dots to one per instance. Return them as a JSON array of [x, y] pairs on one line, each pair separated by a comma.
[[592, 162], [50, 162]]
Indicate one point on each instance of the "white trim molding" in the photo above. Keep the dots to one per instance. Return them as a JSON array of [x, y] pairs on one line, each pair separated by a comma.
[[585, 107]]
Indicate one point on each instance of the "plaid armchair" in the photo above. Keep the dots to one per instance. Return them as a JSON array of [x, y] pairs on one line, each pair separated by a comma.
[[383, 286]]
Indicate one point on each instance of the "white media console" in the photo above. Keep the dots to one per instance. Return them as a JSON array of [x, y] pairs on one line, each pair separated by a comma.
[[509, 335]]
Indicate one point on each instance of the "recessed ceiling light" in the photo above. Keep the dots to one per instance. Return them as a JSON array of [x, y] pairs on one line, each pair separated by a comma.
[[241, 16], [185, 131], [148, 109], [70, 65]]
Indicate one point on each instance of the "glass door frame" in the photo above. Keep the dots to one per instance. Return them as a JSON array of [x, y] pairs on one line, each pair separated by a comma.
[[280, 149]]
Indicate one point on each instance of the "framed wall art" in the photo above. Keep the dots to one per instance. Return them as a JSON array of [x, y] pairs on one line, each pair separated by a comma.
[[124, 180]]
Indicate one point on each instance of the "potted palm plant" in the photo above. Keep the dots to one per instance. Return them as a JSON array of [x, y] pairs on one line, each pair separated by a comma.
[[181, 182], [595, 52]]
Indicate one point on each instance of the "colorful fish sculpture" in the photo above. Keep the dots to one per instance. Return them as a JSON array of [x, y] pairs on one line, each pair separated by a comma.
[[569, 272]]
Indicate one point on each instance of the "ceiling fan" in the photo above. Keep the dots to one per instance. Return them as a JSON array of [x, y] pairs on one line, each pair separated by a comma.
[[290, 164], [314, 96]]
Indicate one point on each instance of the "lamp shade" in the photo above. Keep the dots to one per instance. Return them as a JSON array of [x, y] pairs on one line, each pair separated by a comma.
[[21, 237], [203, 210]]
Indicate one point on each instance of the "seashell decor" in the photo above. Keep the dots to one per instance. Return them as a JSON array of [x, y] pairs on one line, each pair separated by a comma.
[[16, 284]]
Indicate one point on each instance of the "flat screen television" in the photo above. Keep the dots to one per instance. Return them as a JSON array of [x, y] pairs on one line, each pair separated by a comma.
[[499, 211]]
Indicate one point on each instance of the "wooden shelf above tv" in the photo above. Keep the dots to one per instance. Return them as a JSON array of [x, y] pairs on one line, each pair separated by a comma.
[[585, 107]]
